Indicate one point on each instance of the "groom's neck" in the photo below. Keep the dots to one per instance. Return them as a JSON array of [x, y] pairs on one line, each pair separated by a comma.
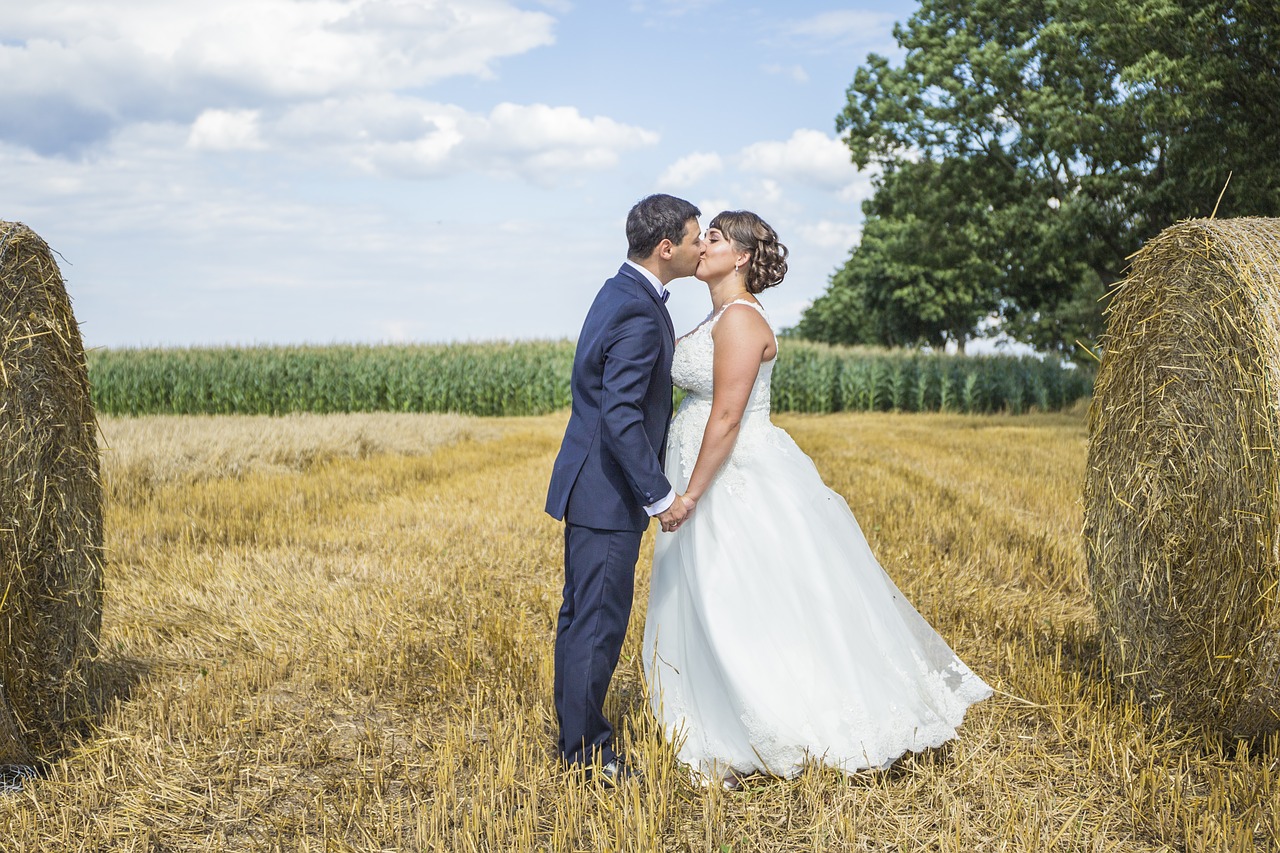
[[655, 266]]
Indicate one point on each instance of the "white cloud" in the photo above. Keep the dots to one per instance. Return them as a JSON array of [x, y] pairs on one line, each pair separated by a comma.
[[845, 27], [770, 191], [411, 137], [670, 8], [538, 127], [859, 188], [226, 130], [809, 157], [690, 169], [713, 205], [146, 60], [795, 72], [540, 142], [142, 186], [366, 119], [829, 234]]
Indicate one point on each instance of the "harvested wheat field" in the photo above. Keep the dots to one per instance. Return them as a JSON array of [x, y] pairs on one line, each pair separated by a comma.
[[327, 633]]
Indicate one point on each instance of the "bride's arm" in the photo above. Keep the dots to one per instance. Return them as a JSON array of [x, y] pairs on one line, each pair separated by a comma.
[[741, 339]]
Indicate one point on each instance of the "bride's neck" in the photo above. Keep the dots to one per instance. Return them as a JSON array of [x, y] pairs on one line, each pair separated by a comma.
[[726, 290]]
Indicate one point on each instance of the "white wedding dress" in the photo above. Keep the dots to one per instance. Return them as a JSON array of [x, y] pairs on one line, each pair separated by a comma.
[[773, 637]]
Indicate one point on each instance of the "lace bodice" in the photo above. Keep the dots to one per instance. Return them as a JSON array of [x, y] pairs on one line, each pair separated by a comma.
[[692, 368]]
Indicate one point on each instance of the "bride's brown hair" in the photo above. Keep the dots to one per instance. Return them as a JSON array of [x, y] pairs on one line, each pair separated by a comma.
[[750, 233]]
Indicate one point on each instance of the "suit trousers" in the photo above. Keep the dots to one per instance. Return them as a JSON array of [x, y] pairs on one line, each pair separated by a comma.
[[599, 579]]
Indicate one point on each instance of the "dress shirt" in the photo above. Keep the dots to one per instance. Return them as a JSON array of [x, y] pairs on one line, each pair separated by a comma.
[[652, 279]]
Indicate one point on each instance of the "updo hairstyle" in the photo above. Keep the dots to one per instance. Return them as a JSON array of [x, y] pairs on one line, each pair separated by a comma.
[[749, 233]]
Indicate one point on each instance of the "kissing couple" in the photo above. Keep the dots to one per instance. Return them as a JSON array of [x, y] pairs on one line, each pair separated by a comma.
[[773, 637]]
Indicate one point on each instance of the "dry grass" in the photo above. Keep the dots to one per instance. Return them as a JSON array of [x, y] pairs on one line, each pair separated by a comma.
[[51, 512], [144, 454], [355, 654], [1182, 493]]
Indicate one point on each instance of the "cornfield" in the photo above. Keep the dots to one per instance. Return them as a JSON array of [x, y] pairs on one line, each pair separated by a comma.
[[491, 379], [822, 379], [532, 378]]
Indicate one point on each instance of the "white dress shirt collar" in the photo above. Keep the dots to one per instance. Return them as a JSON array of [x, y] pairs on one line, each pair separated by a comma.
[[652, 279]]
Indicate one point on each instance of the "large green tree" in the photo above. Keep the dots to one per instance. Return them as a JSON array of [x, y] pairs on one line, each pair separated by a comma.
[[1028, 147], [921, 273]]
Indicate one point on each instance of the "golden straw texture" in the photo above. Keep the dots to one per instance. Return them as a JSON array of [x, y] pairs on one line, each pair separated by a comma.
[[1182, 488], [50, 504]]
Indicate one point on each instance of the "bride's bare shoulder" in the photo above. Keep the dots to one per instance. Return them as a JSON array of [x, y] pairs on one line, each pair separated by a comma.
[[743, 322]]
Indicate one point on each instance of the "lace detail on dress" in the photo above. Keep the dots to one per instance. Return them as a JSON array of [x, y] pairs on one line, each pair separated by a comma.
[[693, 369]]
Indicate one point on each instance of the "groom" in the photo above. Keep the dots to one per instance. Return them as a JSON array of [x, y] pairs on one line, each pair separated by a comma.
[[607, 481]]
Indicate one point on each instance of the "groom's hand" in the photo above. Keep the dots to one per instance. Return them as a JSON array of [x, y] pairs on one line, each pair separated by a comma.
[[681, 508]]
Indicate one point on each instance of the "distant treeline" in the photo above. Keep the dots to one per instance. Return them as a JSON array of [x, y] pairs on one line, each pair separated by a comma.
[[530, 378]]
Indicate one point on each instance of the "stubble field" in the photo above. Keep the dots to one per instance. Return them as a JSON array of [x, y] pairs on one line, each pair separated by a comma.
[[335, 632]]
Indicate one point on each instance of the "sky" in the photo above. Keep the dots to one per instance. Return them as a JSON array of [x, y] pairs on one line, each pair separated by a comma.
[[321, 171]]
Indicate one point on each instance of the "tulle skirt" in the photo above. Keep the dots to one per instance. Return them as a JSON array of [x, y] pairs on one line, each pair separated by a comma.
[[774, 638]]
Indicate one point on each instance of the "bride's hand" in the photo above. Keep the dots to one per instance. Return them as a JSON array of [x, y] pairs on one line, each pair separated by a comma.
[[671, 519], [688, 504]]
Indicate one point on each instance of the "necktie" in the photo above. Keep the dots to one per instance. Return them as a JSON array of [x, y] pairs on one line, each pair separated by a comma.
[[666, 294]]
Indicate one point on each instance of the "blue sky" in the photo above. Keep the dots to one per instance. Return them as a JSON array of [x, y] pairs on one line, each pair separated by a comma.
[[287, 171]]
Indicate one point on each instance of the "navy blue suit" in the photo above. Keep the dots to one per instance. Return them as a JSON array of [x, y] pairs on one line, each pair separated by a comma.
[[608, 470]]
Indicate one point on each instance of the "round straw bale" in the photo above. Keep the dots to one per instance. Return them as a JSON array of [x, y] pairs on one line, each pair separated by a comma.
[[1182, 489], [50, 504]]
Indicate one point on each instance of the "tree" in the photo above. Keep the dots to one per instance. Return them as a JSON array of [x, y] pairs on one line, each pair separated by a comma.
[[919, 275], [1063, 134], [1204, 75]]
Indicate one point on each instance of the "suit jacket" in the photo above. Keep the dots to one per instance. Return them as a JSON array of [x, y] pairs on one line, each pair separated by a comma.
[[610, 463]]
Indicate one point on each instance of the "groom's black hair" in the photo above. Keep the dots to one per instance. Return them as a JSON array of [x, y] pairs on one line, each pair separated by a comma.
[[656, 218]]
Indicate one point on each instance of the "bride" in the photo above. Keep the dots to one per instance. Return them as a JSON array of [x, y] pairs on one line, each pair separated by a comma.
[[773, 637]]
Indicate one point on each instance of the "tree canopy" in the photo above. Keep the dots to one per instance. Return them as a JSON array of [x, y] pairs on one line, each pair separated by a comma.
[[1026, 148]]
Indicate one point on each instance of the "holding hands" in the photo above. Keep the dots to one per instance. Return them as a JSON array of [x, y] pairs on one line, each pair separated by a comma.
[[679, 511]]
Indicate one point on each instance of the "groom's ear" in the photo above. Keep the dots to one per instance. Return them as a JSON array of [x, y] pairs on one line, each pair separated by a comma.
[[665, 249]]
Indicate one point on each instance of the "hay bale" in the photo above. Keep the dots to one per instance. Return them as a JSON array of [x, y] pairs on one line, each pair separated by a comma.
[[1182, 489], [50, 504]]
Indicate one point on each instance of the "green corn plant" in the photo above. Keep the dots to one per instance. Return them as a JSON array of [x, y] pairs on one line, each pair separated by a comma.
[[532, 377]]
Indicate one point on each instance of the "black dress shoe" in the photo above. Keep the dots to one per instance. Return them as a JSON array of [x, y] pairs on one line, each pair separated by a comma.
[[617, 771]]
